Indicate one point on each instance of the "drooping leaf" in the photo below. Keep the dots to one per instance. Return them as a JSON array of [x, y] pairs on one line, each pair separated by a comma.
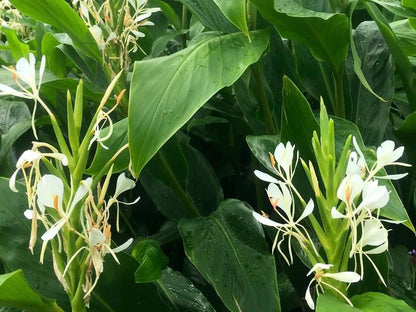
[[371, 114], [17, 48], [210, 15], [245, 278], [406, 35], [14, 121], [15, 291], [403, 66], [235, 11], [58, 13], [261, 146], [190, 77], [181, 293], [326, 34], [152, 261]]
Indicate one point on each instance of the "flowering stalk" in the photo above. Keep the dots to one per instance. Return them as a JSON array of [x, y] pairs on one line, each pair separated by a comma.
[[348, 198], [72, 208]]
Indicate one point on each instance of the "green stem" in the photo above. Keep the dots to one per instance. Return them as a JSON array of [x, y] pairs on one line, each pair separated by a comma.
[[77, 301], [339, 107], [185, 25], [259, 90], [327, 84], [183, 195]]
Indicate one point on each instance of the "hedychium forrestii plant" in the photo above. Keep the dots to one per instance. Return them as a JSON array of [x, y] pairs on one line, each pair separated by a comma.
[[344, 215], [73, 209]]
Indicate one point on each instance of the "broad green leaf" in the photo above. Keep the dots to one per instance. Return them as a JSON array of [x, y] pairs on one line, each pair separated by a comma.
[[58, 13], [298, 121], [235, 11], [406, 35], [245, 278], [168, 180], [15, 120], [17, 48], [152, 261], [210, 15], [14, 241], [378, 302], [370, 113], [401, 277], [406, 134], [326, 34], [397, 8], [261, 146], [161, 101], [181, 293], [410, 4], [55, 58], [116, 141], [16, 292], [402, 63], [329, 303]]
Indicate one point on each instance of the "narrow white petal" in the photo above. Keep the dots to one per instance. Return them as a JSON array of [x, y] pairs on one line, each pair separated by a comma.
[[319, 266], [265, 221], [308, 296], [54, 229], [308, 210], [12, 181], [347, 277], [265, 177], [123, 246]]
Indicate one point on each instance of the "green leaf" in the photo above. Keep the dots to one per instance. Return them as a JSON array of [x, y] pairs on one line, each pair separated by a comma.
[[235, 12], [190, 77], [55, 58], [378, 302], [402, 63], [328, 303], [261, 146], [406, 134], [406, 35], [58, 13], [298, 121], [15, 119], [245, 278], [210, 15], [397, 8], [152, 261], [402, 277], [14, 240], [16, 292], [116, 141], [370, 113], [181, 293], [17, 48], [326, 34]]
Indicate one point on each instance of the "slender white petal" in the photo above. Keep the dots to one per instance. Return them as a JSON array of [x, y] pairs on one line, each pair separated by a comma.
[[392, 176], [28, 213], [123, 184], [308, 210], [319, 267], [347, 277], [265, 177], [308, 296], [123, 246], [265, 221], [82, 190], [28, 156], [12, 181], [54, 229]]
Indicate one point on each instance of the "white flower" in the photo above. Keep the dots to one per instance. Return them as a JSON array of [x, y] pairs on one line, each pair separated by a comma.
[[356, 166], [374, 240], [123, 184], [346, 277], [290, 227], [350, 188]]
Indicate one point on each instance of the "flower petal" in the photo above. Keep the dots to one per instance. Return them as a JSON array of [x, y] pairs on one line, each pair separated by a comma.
[[265, 221], [308, 210], [95, 237], [123, 246], [347, 277], [265, 177], [53, 230]]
